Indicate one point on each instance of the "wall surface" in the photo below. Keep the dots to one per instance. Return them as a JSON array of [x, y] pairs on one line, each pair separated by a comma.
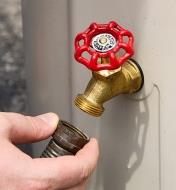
[[46, 45], [136, 133]]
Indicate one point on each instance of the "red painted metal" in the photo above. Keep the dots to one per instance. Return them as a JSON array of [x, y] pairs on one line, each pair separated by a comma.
[[115, 59]]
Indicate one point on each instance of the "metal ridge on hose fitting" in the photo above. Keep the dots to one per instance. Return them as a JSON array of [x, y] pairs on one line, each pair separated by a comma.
[[67, 140]]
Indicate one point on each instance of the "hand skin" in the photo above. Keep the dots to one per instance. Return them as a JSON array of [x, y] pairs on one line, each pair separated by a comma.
[[18, 171]]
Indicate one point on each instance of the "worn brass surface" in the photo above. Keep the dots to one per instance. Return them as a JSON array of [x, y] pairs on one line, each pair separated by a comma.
[[106, 84], [67, 140]]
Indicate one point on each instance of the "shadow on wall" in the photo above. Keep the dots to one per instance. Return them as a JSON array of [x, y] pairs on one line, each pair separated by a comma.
[[124, 143]]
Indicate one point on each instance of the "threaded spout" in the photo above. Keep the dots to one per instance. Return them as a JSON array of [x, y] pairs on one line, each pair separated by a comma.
[[87, 106]]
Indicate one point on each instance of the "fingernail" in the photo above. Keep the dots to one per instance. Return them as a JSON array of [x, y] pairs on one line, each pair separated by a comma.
[[51, 119]]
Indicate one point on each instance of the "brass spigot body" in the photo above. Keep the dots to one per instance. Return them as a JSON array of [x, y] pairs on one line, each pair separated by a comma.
[[106, 84]]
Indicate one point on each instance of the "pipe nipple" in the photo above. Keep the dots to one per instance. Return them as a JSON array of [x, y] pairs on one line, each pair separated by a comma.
[[87, 106]]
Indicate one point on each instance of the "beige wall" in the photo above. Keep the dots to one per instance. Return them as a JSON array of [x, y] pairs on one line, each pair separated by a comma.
[[46, 45]]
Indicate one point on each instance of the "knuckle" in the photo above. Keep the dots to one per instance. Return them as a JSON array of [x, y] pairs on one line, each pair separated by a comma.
[[4, 119], [85, 173], [5, 122], [34, 126]]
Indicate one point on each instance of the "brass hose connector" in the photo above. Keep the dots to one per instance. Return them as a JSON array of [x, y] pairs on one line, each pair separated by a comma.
[[67, 140], [106, 84]]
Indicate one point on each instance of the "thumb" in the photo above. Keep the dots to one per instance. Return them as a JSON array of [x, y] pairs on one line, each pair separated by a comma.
[[24, 129]]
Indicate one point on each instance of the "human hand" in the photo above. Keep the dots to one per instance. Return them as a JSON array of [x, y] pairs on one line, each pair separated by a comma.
[[19, 171]]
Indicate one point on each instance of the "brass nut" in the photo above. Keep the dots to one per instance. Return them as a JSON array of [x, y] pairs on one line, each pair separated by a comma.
[[67, 140]]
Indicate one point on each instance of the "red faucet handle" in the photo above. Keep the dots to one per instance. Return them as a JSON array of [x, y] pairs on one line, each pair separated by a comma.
[[109, 41]]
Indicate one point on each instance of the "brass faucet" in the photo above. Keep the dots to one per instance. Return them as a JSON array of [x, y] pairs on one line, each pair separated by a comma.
[[113, 73], [105, 84]]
